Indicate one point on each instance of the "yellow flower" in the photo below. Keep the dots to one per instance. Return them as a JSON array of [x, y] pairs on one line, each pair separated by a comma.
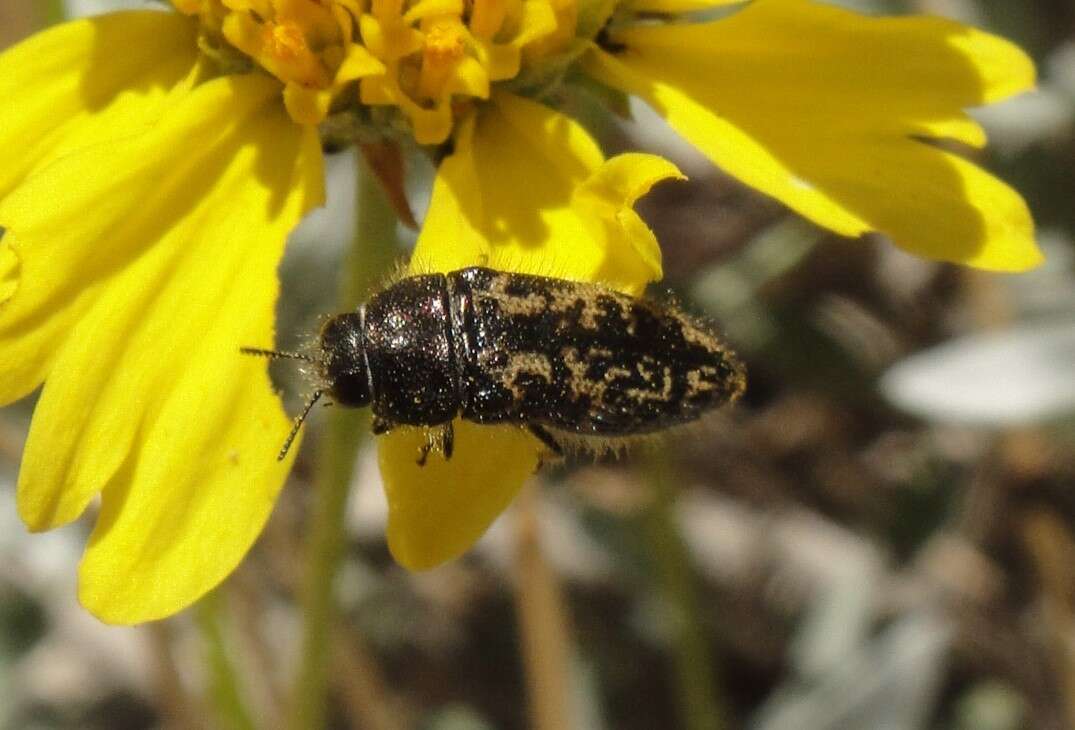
[[146, 211], [834, 114], [821, 108], [146, 190], [831, 112], [149, 174]]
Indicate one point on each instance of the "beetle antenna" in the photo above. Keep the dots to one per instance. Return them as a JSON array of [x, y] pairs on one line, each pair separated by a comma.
[[298, 424], [275, 354]]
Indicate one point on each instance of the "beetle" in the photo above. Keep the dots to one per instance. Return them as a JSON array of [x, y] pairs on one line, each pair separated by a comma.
[[562, 359]]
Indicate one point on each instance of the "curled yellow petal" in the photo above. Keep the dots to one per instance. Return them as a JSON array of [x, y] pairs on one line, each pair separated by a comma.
[[824, 109], [527, 190], [85, 81], [149, 400], [605, 205]]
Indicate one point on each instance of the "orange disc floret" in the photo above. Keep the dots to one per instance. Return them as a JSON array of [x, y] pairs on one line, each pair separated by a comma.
[[427, 58]]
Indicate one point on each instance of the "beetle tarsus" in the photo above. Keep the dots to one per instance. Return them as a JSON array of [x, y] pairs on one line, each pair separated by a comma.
[[447, 440], [423, 453]]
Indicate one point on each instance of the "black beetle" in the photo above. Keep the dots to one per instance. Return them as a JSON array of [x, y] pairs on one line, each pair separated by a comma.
[[555, 356]]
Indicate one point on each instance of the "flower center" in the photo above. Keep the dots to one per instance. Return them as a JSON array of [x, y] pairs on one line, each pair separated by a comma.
[[420, 61]]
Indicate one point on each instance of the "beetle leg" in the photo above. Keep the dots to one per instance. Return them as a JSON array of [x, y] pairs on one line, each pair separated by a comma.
[[546, 438], [423, 452], [447, 440], [440, 439]]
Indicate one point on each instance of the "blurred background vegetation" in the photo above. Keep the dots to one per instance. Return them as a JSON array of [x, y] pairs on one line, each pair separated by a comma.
[[879, 536]]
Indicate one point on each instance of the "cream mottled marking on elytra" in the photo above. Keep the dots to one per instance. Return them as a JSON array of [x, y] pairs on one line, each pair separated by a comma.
[[645, 368], [664, 395], [695, 335], [616, 371], [525, 363], [697, 382], [512, 304], [580, 384], [564, 300]]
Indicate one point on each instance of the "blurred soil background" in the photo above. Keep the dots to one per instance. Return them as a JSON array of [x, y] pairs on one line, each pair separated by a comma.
[[879, 536]]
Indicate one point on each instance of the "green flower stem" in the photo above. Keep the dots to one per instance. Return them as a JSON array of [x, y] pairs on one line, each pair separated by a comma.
[[225, 691], [701, 708], [372, 256]]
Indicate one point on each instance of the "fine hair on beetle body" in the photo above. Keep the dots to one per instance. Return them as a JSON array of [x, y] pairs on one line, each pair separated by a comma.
[[580, 366]]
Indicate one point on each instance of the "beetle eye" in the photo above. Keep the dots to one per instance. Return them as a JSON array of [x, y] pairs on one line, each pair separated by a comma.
[[343, 364], [349, 388]]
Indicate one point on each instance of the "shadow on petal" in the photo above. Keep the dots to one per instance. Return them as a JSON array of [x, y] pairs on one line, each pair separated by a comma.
[[821, 108]]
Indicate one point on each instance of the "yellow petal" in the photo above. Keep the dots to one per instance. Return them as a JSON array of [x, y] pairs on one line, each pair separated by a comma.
[[818, 107], [357, 64], [150, 399], [605, 205], [59, 283], [437, 511], [432, 8], [470, 79], [82, 82], [9, 271], [305, 105], [389, 40], [551, 206], [431, 126], [528, 190], [377, 91], [675, 7]]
